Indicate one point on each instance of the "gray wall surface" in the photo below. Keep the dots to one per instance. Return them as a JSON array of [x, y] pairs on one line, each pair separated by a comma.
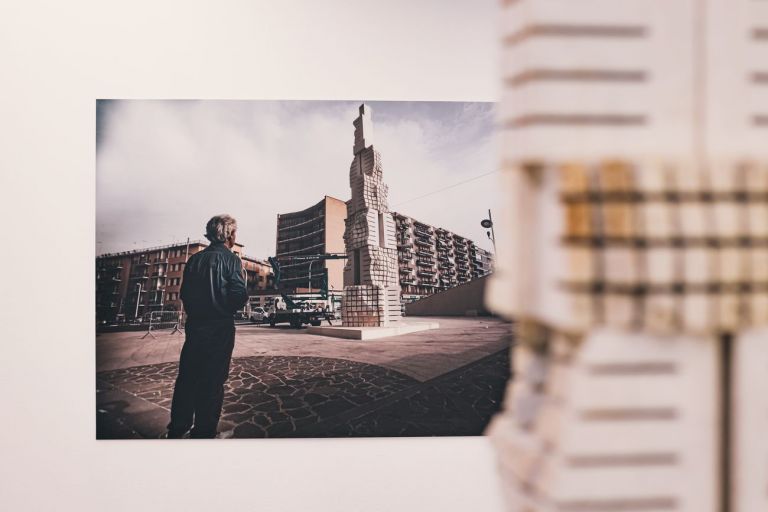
[[463, 300]]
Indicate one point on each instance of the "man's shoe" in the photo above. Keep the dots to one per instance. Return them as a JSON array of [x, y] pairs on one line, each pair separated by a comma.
[[174, 435]]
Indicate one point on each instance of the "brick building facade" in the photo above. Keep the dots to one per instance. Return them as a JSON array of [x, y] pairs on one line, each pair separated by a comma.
[[132, 283]]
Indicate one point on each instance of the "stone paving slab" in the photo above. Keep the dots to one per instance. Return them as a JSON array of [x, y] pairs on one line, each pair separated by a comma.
[[371, 333], [287, 383], [422, 355], [123, 415], [291, 396]]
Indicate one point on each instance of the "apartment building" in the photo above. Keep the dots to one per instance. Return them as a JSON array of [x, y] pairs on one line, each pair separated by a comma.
[[432, 259], [318, 229], [132, 283]]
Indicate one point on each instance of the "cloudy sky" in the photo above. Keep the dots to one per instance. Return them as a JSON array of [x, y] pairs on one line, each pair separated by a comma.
[[165, 167]]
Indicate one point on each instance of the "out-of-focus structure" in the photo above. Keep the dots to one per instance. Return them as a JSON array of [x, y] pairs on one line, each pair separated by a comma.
[[635, 259], [371, 282]]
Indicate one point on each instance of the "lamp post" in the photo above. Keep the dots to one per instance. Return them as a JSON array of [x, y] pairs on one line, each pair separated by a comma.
[[309, 284], [488, 224], [138, 299]]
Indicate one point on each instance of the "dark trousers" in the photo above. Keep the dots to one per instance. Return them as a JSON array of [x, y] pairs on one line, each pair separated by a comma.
[[203, 370]]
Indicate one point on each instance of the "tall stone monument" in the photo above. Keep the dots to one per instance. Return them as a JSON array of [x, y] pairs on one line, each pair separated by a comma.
[[371, 282]]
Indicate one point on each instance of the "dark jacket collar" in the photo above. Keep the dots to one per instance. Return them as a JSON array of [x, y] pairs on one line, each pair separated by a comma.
[[219, 246]]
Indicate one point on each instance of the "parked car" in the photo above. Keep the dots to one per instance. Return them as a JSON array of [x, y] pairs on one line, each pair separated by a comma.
[[258, 315]]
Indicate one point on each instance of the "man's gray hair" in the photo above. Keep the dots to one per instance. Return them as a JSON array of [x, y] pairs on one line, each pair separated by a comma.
[[220, 227]]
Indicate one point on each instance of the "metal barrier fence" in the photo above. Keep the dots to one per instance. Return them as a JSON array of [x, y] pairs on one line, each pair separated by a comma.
[[157, 320]]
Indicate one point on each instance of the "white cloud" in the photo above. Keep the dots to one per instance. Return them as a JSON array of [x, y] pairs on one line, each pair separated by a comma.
[[164, 167]]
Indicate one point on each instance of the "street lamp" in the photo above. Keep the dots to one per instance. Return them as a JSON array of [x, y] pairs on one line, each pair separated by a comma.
[[138, 299], [488, 224]]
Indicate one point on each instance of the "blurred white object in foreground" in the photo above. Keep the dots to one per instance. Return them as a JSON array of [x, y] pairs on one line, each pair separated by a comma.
[[635, 255]]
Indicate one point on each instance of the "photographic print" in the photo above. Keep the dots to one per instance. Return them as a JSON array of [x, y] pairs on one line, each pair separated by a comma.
[[295, 269]]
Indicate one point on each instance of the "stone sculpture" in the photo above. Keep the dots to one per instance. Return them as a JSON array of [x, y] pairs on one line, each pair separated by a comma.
[[371, 282]]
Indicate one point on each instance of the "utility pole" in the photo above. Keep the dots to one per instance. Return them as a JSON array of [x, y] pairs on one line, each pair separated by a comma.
[[488, 224], [309, 284], [138, 299]]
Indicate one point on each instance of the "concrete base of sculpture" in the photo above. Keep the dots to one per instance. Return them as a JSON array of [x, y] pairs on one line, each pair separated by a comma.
[[370, 333]]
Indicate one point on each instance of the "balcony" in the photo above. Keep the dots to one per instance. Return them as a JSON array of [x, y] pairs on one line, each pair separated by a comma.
[[422, 232], [426, 254], [108, 269], [319, 216], [424, 243], [294, 237], [405, 270], [139, 276], [307, 250]]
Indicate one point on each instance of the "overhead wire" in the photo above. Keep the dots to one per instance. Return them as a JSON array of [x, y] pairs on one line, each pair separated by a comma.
[[445, 188]]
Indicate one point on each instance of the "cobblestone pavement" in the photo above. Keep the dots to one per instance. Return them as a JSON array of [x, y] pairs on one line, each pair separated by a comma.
[[295, 396]]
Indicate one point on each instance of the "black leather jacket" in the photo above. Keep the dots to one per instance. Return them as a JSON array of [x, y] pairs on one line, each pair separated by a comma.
[[213, 287]]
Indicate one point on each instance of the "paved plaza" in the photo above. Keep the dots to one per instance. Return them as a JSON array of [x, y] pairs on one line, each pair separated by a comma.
[[288, 383]]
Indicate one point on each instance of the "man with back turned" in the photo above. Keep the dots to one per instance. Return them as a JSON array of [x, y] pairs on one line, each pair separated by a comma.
[[212, 290]]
